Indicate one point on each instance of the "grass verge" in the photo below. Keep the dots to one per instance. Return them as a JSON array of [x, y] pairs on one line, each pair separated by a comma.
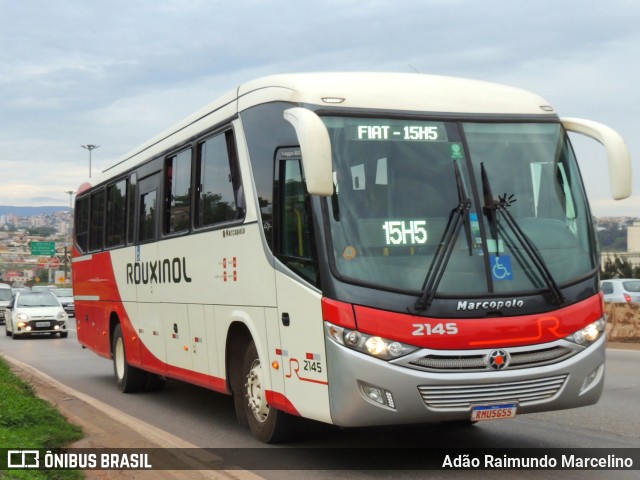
[[28, 422]]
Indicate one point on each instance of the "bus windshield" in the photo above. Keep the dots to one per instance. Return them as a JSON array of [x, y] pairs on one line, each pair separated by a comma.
[[396, 191]]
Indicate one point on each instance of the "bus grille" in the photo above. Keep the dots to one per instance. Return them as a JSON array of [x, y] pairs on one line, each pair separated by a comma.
[[477, 362], [462, 397]]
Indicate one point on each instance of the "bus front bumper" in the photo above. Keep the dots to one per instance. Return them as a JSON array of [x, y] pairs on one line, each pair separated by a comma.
[[365, 391]]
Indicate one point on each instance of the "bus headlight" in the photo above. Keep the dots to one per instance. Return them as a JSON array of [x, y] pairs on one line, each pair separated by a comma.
[[589, 334], [23, 317], [370, 344]]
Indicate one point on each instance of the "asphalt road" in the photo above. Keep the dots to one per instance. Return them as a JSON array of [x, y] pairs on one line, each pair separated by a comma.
[[206, 419]]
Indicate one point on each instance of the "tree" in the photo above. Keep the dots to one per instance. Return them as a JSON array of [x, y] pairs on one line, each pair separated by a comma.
[[43, 275], [618, 268], [612, 238], [42, 231]]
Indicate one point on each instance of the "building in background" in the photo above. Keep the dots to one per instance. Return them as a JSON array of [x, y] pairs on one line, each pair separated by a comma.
[[632, 255], [633, 237]]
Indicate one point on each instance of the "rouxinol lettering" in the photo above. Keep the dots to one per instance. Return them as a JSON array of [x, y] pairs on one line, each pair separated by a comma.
[[160, 271]]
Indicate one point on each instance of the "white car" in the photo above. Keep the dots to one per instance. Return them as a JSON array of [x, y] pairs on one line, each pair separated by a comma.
[[35, 312], [621, 290]]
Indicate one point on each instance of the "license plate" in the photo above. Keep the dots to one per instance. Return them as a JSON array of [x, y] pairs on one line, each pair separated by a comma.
[[43, 324], [493, 412]]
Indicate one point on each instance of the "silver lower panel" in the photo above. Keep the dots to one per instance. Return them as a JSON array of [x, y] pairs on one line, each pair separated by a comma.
[[425, 396]]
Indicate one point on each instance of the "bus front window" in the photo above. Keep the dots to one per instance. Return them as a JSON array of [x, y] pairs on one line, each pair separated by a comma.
[[396, 191]]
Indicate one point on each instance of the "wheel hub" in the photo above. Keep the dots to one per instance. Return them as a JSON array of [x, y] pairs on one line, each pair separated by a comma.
[[255, 394], [119, 359]]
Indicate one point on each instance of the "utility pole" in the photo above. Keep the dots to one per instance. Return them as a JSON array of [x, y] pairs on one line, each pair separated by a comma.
[[90, 147], [69, 233], [70, 193]]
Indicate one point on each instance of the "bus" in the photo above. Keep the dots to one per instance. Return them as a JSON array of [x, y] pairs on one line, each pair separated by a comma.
[[359, 249]]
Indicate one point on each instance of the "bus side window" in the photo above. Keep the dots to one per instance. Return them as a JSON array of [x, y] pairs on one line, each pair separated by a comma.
[[131, 208], [96, 236], [148, 213], [82, 224], [116, 214], [177, 202], [148, 208], [219, 194]]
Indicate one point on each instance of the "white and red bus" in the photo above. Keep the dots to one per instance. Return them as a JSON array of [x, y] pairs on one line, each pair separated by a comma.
[[357, 249]]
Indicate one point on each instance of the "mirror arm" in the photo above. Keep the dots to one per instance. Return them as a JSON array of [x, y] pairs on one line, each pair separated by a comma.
[[618, 156], [315, 146]]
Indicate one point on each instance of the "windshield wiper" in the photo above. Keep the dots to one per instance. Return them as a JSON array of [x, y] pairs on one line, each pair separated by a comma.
[[458, 217], [492, 208]]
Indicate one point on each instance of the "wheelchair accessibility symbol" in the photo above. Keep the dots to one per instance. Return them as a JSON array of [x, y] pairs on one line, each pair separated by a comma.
[[501, 267]]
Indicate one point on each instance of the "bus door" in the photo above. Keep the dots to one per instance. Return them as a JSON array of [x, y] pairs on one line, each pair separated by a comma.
[[299, 302], [171, 284], [148, 319]]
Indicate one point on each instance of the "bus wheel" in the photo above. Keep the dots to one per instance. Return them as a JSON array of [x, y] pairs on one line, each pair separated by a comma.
[[267, 424], [129, 379], [154, 383]]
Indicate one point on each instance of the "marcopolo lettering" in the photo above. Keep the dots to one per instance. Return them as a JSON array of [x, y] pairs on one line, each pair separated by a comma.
[[489, 304], [233, 232], [172, 270]]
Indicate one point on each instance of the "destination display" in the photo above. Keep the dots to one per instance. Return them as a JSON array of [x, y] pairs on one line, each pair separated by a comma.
[[406, 232], [401, 130]]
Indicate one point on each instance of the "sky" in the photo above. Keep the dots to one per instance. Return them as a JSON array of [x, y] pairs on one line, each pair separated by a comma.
[[116, 73]]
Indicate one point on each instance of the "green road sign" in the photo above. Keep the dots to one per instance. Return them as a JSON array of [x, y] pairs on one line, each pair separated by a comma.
[[43, 248]]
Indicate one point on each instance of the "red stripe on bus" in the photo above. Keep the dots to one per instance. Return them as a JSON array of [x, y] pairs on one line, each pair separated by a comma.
[[281, 402], [469, 333]]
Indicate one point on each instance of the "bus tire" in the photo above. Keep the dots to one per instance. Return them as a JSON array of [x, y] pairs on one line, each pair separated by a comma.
[[154, 383], [267, 424], [129, 379]]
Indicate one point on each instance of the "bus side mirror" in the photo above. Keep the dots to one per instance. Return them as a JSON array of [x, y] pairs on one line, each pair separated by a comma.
[[618, 156], [315, 147]]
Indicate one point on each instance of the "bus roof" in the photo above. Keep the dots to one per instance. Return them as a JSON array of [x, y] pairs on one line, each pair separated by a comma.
[[408, 92], [393, 91]]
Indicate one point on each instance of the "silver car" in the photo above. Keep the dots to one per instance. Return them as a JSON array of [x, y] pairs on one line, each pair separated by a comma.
[[5, 299], [621, 290], [35, 312], [65, 295]]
